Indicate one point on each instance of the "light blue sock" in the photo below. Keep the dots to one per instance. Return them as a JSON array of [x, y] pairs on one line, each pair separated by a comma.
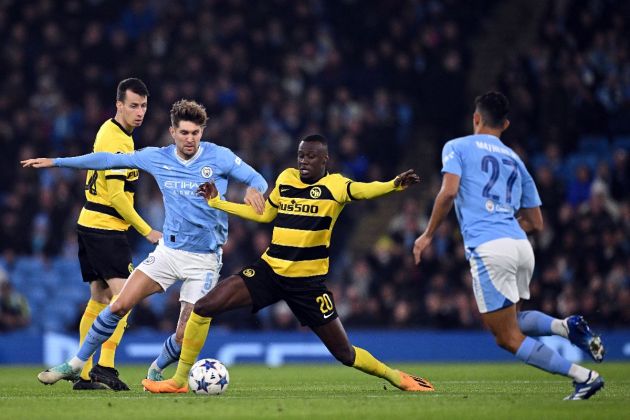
[[537, 354], [534, 323], [102, 328], [170, 353]]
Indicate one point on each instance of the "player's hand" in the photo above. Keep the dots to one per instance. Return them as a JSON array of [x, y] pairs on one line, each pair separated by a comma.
[[208, 190], [154, 236], [407, 178], [37, 163], [254, 198], [419, 246]]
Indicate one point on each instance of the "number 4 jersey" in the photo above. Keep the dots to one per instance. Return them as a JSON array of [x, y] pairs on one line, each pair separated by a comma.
[[494, 185], [98, 211]]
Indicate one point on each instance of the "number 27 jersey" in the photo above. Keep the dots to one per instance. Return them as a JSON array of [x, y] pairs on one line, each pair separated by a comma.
[[494, 185]]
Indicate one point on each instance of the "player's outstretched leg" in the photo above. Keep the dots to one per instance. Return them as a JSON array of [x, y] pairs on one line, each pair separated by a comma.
[[369, 364], [335, 339], [573, 328], [504, 326], [102, 328]]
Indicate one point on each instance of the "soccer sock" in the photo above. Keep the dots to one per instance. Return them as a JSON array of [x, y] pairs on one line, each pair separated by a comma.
[[194, 338], [91, 312], [102, 328], [108, 349], [537, 354], [536, 324], [170, 354], [367, 363], [579, 373]]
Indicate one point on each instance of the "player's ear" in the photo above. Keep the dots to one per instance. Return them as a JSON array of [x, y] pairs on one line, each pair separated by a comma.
[[119, 106], [172, 131], [476, 118], [506, 124]]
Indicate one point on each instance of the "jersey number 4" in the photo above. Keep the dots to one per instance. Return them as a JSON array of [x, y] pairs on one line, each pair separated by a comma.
[[91, 183], [491, 164]]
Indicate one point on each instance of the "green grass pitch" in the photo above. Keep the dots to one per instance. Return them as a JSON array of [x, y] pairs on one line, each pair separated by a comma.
[[328, 391]]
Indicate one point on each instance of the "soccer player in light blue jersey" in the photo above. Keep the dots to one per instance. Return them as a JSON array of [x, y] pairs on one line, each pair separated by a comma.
[[497, 203], [190, 249]]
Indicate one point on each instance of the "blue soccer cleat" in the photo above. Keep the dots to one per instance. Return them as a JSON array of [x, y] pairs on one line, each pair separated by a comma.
[[585, 390], [581, 336]]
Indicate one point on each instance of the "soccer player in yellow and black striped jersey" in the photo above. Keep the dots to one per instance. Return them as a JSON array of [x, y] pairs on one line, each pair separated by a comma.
[[104, 251], [304, 206]]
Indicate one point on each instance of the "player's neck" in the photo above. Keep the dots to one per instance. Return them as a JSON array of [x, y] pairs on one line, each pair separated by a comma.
[[119, 119], [312, 180], [490, 131]]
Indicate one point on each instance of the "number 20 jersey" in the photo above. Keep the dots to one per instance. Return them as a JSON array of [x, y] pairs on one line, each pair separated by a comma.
[[494, 185]]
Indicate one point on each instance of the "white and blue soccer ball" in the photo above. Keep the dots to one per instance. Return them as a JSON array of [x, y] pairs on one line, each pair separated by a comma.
[[208, 377]]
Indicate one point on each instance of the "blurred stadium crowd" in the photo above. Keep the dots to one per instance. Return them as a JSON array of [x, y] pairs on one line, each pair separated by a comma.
[[269, 72]]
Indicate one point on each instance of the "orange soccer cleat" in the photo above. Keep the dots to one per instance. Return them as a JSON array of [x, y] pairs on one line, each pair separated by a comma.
[[168, 386], [414, 383]]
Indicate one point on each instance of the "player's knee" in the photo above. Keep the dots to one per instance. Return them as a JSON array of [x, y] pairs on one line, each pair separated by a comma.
[[508, 341], [120, 308], [345, 355], [205, 307]]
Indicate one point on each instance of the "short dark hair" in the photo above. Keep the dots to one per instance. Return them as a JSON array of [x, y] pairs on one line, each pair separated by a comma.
[[187, 110], [133, 84], [315, 138], [493, 107]]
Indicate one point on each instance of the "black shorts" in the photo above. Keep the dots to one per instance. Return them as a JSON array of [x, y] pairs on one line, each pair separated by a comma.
[[103, 254], [309, 298]]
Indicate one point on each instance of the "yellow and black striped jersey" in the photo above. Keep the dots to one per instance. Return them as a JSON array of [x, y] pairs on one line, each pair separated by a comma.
[[302, 228], [98, 211]]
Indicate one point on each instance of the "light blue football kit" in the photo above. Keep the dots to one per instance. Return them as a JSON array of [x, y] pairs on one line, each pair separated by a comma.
[[193, 231], [494, 185]]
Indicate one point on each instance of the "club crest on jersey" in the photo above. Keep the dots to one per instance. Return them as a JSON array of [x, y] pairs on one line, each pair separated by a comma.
[[206, 172], [150, 260], [490, 206], [315, 192], [248, 272]]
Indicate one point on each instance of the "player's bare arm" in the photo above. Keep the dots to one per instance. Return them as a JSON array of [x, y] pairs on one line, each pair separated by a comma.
[[443, 204], [530, 219], [38, 163]]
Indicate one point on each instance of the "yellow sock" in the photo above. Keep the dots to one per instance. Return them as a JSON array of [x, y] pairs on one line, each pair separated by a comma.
[[108, 348], [367, 363], [194, 338], [92, 310]]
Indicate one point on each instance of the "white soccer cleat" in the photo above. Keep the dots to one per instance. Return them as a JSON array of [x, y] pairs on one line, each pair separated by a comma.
[[57, 373]]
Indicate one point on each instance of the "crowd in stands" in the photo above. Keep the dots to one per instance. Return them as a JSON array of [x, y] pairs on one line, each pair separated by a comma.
[[270, 72]]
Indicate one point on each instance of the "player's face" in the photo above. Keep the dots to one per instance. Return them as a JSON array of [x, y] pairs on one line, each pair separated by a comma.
[[312, 160], [132, 109], [187, 136]]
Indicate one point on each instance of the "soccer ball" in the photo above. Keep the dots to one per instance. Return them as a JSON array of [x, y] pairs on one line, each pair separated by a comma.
[[208, 377]]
